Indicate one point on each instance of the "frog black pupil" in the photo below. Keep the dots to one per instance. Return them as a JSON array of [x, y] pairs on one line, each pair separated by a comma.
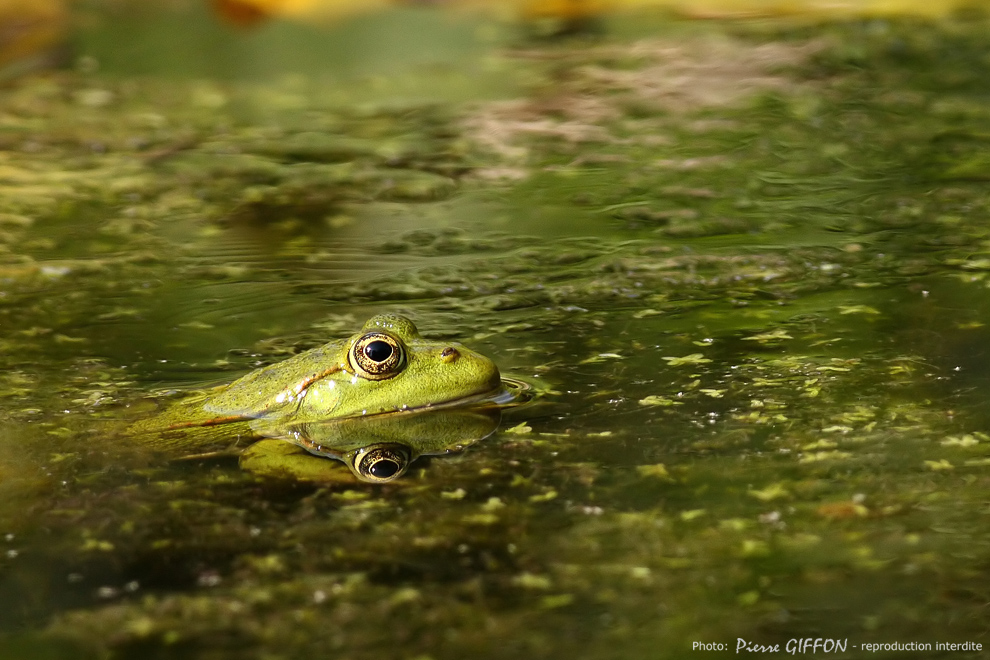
[[378, 351], [384, 468]]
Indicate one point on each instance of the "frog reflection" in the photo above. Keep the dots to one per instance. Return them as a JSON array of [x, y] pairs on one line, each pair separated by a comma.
[[366, 387], [377, 449]]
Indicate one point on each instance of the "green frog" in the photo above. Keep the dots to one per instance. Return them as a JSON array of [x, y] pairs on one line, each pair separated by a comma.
[[399, 384]]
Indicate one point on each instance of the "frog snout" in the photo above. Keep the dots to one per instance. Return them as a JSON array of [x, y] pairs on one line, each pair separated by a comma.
[[471, 370]]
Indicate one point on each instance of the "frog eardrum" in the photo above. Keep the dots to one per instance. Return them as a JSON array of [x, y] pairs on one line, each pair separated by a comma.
[[377, 356]]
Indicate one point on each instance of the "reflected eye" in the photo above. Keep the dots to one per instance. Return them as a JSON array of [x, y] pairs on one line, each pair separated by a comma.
[[383, 463], [377, 356], [384, 468]]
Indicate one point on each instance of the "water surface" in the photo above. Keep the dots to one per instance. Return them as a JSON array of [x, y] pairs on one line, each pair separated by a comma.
[[756, 298]]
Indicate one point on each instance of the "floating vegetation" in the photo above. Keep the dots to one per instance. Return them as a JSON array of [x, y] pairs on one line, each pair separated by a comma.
[[757, 306]]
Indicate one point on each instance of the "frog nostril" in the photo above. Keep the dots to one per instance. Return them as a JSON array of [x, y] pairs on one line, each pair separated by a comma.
[[449, 354]]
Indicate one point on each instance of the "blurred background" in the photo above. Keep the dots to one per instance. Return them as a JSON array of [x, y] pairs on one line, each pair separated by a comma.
[[250, 35]]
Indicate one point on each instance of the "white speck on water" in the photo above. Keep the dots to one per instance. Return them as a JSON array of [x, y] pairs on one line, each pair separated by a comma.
[[106, 592]]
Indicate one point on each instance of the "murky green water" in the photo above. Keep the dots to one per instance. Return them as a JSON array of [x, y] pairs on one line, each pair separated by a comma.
[[748, 261]]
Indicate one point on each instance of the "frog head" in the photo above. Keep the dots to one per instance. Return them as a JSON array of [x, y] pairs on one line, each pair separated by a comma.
[[386, 367]]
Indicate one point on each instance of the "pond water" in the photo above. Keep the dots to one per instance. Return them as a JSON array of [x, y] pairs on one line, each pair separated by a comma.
[[745, 263]]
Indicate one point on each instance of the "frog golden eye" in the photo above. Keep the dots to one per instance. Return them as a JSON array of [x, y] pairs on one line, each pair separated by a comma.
[[382, 463], [377, 356]]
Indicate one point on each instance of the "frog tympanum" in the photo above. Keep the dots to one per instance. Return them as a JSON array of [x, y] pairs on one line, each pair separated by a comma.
[[376, 401]]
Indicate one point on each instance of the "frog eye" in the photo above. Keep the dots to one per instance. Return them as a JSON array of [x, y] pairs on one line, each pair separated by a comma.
[[377, 356], [382, 463]]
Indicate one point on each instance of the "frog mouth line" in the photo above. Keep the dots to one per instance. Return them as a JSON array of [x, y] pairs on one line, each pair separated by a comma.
[[511, 392], [493, 397]]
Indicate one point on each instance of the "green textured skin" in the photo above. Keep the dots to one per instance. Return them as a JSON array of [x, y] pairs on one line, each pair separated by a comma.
[[319, 401], [287, 391]]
